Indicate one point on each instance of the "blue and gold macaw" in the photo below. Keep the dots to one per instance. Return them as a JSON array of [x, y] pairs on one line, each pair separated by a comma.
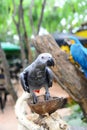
[[78, 52]]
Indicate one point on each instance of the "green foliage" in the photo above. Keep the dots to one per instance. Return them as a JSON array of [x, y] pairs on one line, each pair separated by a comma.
[[75, 119], [5, 18], [62, 17]]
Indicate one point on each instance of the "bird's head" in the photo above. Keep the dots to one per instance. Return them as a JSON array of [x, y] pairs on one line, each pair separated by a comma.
[[71, 40], [45, 59]]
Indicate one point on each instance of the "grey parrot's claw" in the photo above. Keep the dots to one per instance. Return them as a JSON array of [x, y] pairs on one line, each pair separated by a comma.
[[34, 99], [47, 96]]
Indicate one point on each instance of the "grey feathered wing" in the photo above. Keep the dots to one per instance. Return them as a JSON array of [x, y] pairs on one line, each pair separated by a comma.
[[24, 82], [49, 76]]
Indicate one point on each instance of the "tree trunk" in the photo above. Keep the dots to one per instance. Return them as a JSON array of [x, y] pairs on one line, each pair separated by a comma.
[[25, 32], [41, 16], [9, 86], [18, 27], [66, 74]]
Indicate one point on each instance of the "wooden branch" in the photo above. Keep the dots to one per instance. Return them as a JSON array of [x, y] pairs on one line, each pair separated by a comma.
[[25, 32], [41, 15], [67, 75], [20, 111], [18, 27], [14, 13], [33, 121], [31, 18]]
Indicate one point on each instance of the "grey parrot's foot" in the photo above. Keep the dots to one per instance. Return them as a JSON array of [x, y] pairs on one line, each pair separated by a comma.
[[47, 96], [34, 98]]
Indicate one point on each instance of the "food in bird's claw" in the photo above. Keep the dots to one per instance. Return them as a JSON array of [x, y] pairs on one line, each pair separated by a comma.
[[38, 75], [78, 52]]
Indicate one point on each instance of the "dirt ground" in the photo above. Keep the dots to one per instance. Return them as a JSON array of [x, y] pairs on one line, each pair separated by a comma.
[[8, 119]]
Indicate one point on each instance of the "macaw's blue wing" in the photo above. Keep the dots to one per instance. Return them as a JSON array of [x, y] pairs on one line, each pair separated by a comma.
[[79, 54], [85, 50]]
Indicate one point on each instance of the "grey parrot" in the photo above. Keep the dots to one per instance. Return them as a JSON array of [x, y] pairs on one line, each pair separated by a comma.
[[38, 75]]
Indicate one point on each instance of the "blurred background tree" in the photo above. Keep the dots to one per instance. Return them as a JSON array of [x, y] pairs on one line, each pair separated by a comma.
[[58, 15]]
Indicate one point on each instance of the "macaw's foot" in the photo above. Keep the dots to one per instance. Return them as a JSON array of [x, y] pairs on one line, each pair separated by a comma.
[[34, 98], [47, 96]]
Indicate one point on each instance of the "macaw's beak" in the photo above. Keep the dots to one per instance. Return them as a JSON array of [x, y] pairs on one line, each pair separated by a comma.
[[72, 41], [65, 42], [50, 62], [68, 42]]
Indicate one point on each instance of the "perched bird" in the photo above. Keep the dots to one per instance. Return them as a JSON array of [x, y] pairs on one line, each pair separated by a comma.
[[65, 47], [38, 75], [78, 52]]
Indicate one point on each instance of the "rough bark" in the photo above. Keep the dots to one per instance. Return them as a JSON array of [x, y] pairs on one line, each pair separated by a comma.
[[9, 85], [66, 74]]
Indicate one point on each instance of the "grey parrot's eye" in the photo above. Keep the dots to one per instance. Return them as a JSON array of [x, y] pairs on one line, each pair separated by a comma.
[[42, 57]]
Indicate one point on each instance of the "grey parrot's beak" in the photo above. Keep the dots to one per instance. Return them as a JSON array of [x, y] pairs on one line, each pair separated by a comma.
[[50, 62]]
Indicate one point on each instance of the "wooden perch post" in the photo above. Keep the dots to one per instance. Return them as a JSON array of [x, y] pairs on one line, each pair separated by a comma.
[[67, 75]]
